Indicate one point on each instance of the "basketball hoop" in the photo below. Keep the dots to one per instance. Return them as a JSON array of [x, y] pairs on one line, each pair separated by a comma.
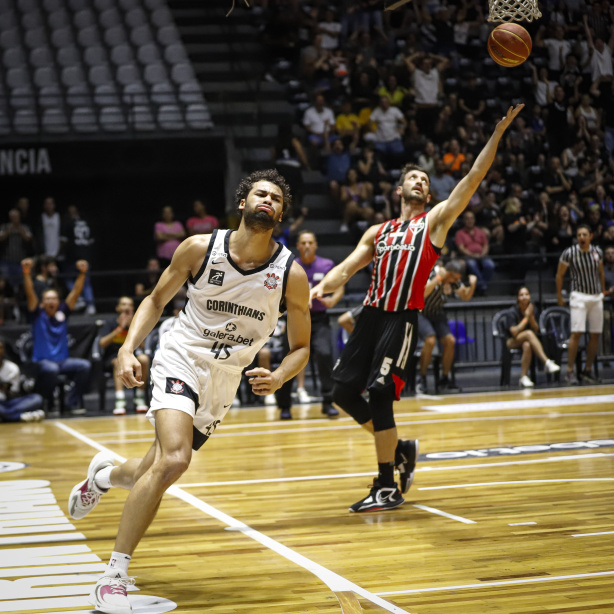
[[513, 10]]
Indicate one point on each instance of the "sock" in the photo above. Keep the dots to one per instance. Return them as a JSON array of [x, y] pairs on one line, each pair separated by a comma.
[[119, 561], [386, 474], [102, 479], [120, 394]]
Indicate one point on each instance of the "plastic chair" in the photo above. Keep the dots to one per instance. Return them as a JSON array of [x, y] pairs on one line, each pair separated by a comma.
[[170, 117], [500, 331], [457, 328], [197, 117], [83, 120], [54, 121]]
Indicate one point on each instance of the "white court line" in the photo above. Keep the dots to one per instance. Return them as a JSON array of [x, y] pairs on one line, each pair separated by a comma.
[[519, 524], [503, 583], [339, 476], [592, 534], [440, 513], [605, 399], [334, 581], [518, 482]]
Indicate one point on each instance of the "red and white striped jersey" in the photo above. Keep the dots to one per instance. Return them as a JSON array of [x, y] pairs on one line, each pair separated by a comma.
[[403, 259]]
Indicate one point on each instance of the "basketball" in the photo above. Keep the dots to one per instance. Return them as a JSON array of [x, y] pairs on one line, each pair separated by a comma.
[[509, 44]]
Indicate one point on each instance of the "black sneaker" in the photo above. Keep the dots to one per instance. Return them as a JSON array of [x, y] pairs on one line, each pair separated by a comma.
[[447, 387], [380, 498], [587, 378], [421, 387], [329, 410], [405, 459], [285, 415]]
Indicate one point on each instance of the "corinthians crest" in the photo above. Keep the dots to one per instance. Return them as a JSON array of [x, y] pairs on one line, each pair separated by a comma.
[[271, 280]]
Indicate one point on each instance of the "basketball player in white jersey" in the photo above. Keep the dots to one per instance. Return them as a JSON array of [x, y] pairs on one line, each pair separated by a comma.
[[378, 353], [239, 283]]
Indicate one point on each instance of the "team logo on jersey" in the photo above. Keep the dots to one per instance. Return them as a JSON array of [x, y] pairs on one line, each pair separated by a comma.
[[271, 281], [216, 277], [231, 327]]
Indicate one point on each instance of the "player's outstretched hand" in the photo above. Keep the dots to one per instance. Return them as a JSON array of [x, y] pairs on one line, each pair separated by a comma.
[[512, 112], [262, 381], [129, 369]]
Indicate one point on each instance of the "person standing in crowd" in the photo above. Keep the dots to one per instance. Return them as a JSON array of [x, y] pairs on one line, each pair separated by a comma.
[[521, 322], [50, 231], [433, 323], [50, 335], [112, 337], [15, 243], [316, 268], [201, 223], [168, 234], [473, 245], [15, 406], [239, 281], [78, 241], [377, 355], [585, 265]]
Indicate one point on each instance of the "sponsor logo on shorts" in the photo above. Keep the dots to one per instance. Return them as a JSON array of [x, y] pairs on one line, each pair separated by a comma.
[[271, 281], [216, 277]]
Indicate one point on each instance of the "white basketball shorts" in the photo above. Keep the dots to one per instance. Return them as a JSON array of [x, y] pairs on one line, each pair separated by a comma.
[[196, 387], [586, 307]]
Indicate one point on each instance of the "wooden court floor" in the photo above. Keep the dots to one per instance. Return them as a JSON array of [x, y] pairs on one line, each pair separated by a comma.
[[511, 511]]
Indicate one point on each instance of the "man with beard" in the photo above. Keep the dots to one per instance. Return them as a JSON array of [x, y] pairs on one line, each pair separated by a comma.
[[239, 282], [379, 350]]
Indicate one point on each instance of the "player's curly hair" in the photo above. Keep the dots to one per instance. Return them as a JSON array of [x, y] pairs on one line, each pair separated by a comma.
[[270, 175]]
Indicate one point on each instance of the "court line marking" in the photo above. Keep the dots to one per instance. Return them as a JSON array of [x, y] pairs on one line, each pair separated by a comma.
[[354, 425], [519, 524], [334, 581], [339, 476], [434, 510], [502, 583], [592, 534], [517, 482]]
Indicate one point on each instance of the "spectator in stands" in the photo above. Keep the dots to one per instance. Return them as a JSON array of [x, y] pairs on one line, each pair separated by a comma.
[[570, 157], [600, 52], [471, 99], [391, 125], [445, 127], [364, 90], [543, 85], [393, 91], [77, 241], [16, 406], [15, 243], [201, 223], [471, 134], [319, 121], [442, 183], [427, 158], [338, 163], [168, 234], [414, 141], [48, 241], [591, 115], [585, 264], [605, 202], [594, 221], [453, 158], [148, 282], [473, 246], [289, 158], [23, 206], [321, 337], [608, 269], [50, 335], [558, 48], [347, 123], [356, 201], [571, 78], [521, 322], [558, 120], [112, 337], [443, 282], [8, 302], [371, 170], [563, 230], [47, 277], [558, 184]]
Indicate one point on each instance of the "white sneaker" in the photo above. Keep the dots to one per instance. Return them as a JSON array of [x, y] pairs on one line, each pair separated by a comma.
[[110, 595], [525, 382], [28, 416], [551, 367], [270, 399], [302, 396], [119, 411], [141, 406], [85, 496]]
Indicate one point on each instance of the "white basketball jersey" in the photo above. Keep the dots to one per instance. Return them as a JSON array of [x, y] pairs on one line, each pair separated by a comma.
[[230, 313]]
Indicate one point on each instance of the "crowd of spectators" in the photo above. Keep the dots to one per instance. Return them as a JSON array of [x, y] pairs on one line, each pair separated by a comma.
[[379, 88]]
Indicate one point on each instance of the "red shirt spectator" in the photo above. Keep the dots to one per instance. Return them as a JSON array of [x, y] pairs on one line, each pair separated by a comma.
[[201, 223], [470, 239]]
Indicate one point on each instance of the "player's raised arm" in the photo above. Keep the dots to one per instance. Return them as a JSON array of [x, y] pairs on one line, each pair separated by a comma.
[[358, 259], [445, 213]]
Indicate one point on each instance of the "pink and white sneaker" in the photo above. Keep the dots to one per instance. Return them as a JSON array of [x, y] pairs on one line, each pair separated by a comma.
[[110, 595], [85, 496]]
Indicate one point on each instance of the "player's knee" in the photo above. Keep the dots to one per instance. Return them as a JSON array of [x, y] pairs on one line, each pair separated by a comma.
[[352, 402], [173, 465], [380, 401]]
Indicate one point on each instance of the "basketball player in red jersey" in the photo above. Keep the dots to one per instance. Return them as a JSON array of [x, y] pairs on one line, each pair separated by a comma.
[[377, 355]]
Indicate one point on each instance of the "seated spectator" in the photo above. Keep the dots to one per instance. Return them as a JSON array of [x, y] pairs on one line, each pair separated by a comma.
[[372, 170], [319, 121], [47, 277], [148, 282], [168, 234], [8, 302], [364, 90], [112, 337], [557, 183], [563, 230], [471, 99], [15, 245], [521, 322], [453, 159], [338, 163], [570, 157], [471, 134], [390, 127], [393, 91], [290, 159], [571, 78], [442, 184], [355, 200], [414, 140], [605, 202], [16, 406], [347, 122], [201, 223], [473, 246], [608, 269], [488, 218], [426, 159], [591, 115], [50, 336]]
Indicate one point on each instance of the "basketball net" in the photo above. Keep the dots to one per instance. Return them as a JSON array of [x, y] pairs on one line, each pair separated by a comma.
[[513, 10]]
